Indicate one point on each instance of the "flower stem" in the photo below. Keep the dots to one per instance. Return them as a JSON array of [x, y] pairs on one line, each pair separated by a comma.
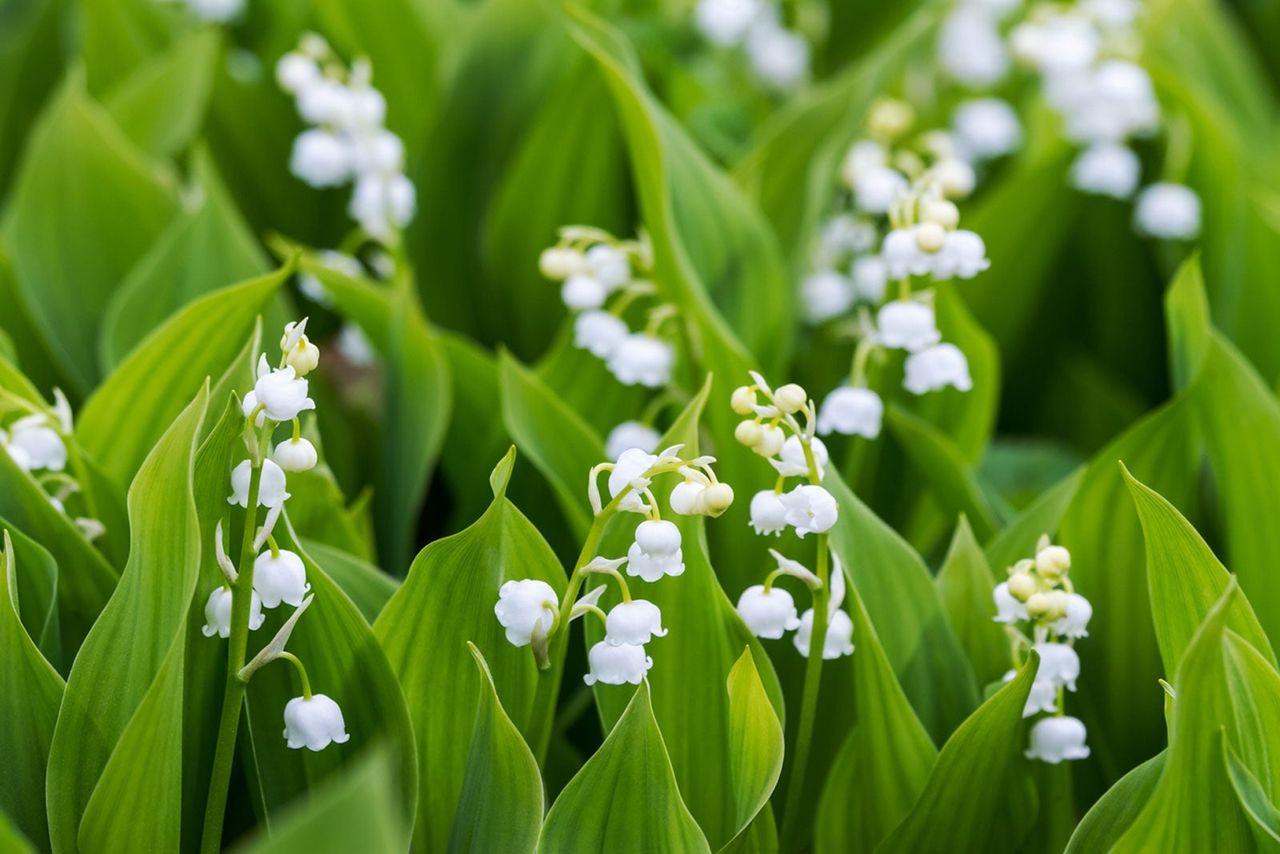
[[233, 694], [302, 672]]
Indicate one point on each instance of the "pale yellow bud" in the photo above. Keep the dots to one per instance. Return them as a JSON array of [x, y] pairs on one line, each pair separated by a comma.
[[771, 441], [743, 401], [942, 212], [790, 398], [560, 262], [1039, 605], [715, 499], [955, 177], [304, 357], [1022, 586], [749, 433], [1057, 604], [890, 118], [930, 236], [1053, 561]]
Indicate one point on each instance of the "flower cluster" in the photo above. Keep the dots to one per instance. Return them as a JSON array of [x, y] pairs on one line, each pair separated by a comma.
[[271, 575], [1038, 595], [777, 57], [529, 611], [348, 141], [601, 278]]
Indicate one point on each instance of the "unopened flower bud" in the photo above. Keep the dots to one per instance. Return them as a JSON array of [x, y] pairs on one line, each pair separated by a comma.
[[771, 440], [955, 177], [304, 357], [743, 401], [1022, 586], [1053, 561], [1057, 604], [790, 398], [890, 118], [749, 433], [1039, 605], [559, 263], [942, 212], [715, 499], [930, 236]]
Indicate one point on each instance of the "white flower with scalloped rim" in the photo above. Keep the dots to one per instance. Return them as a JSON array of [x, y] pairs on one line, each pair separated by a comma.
[[810, 509], [271, 488], [314, 722], [768, 614], [635, 622], [34, 445], [642, 359], [936, 368], [598, 332], [1057, 738], [656, 551], [217, 613], [617, 664], [1059, 664], [628, 435], [906, 325], [280, 578], [839, 639], [852, 412], [526, 606], [768, 513], [1075, 623], [1008, 609]]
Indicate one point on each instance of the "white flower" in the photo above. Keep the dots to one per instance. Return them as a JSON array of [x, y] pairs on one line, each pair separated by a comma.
[[217, 613], [616, 664], [792, 461], [628, 435], [1059, 665], [321, 158], [1059, 44], [902, 255], [725, 22], [847, 233], [936, 368], [768, 613], [634, 622], [875, 190], [839, 639], [296, 455], [768, 513], [1008, 609], [779, 57], [1053, 560], [656, 551], [383, 203], [379, 151], [314, 723], [629, 471], [525, 606], [1168, 211], [1056, 738], [963, 254], [1075, 624], [698, 499], [1112, 14], [810, 509], [282, 394], [296, 71], [560, 262], [1043, 696], [271, 488], [609, 265], [870, 275], [863, 156], [598, 331], [1107, 169], [1109, 103], [826, 294], [280, 578], [906, 324], [970, 48], [955, 176], [986, 128], [641, 359], [851, 411], [34, 445], [324, 102], [583, 292], [217, 11]]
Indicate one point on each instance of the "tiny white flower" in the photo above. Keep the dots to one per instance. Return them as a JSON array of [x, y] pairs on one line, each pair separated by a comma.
[[863, 156], [379, 151], [846, 233], [217, 613], [1043, 696], [525, 606], [324, 102], [987, 128], [971, 49], [271, 488], [281, 578], [1107, 169], [1075, 624], [629, 471], [869, 275], [314, 723], [642, 359], [34, 445], [877, 189], [907, 325], [560, 262], [356, 347], [583, 292], [768, 613], [634, 622], [779, 57], [963, 254], [608, 265], [955, 176], [321, 158], [792, 462], [598, 332], [1168, 211], [851, 411], [1008, 609], [628, 435], [1053, 560], [902, 255], [936, 368], [1056, 738], [697, 499], [768, 513], [296, 455], [296, 71], [1060, 44], [1059, 664], [282, 394], [839, 639], [382, 204], [656, 551], [810, 509], [366, 108], [217, 11], [617, 664], [725, 22], [825, 294]]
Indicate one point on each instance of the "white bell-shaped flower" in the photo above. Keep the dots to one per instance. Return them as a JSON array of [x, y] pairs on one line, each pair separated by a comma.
[[870, 276], [810, 509], [1057, 738], [725, 22], [779, 57], [986, 128], [616, 664], [382, 204], [296, 455], [1108, 169], [1075, 623], [825, 294], [282, 394], [217, 613], [609, 265], [321, 158], [852, 412], [656, 551], [379, 152], [768, 613], [1008, 609], [583, 292], [598, 332], [936, 368], [635, 622], [971, 49], [792, 462], [1168, 211], [845, 233], [863, 156], [1058, 44], [963, 254], [768, 513], [271, 488], [642, 359], [628, 435], [296, 71], [902, 255], [839, 639], [1059, 664], [908, 325], [34, 445], [324, 102], [526, 606], [877, 189], [1043, 696], [629, 470], [280, 578], [314, 722]]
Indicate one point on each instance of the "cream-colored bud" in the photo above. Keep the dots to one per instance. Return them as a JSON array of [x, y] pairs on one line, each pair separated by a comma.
[[304, 357], [1053, 561], [771, 440], [890, 118], [930, 236], [560, 262], [1039, 605], [942, 212], [790, 398], [744, 400], [715, 499], [1022, 586], [749, 433], [1058, 600], [955, 177]]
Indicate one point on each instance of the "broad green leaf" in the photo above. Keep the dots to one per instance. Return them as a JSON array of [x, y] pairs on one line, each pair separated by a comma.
[[1108, 819], [642, 811], [112, 695], [755, 733], [368, 587], [1185, 579], [120, 35], [500, 806], [1257, 806], [85, 206], [1039, 517], [965, 584], [979, 796], [319, 510], [445, 602], [129, 411], [474, 437], [28, 707], [31, 61], [11, 839], [35, 592], [884, 764]]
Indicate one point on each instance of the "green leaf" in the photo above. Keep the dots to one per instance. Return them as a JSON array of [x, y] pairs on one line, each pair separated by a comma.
[[128, 412], [1185, 579], [368, 587], [965, 584], [85, 206], [979, 796], [31, 62], [35, 592], [1111, 816], [755, 733], [450, 592], [29, 707], [134, 700], [120, 35], [500, 806], [1257, 806], [643, 812]]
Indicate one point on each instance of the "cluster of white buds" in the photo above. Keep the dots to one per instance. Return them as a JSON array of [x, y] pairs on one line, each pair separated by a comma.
[[348, 141], [528, 608], [777, 57], [1038, 596], [37, 442], [601, 278], [278, 576]]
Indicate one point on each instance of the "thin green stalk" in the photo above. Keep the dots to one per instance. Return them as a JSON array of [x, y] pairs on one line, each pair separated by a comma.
[[233, 696]]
